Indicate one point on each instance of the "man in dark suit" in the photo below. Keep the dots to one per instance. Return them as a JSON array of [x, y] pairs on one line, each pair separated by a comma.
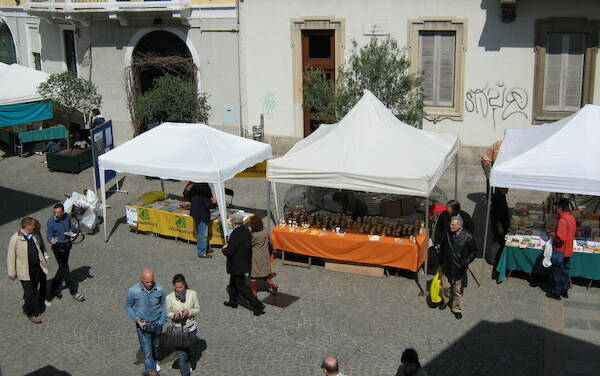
[[442, 226], [459, 252], [239, 256], [202, 201]]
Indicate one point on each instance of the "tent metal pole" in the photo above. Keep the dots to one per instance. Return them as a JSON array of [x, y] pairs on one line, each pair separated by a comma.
[[269, 227], [274, 189], [426, 238], [103, 195], [456, 176], [487, 225]]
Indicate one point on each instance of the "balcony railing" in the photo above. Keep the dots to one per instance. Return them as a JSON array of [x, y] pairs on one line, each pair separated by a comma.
[[227, 3]]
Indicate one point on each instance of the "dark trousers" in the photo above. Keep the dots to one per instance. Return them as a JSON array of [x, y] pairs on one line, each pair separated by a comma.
[[237, 286], [560, 275], [34, 293], [61, 253]]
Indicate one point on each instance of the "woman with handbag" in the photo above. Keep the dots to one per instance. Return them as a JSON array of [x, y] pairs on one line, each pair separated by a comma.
[[261, 258], [182, 309]]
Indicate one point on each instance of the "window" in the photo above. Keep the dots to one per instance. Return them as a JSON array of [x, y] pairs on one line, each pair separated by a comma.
[[8, 54], [70, 54], [35, 47], [564, 70], [437, 52], [37, 61]]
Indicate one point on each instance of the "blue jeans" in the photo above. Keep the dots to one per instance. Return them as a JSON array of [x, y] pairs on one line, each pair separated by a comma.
[[202, 238], [184, 356], [150, 345], [561, 268]]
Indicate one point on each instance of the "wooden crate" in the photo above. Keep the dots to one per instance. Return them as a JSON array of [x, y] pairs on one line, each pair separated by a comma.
[[369, 270], [70, 160]]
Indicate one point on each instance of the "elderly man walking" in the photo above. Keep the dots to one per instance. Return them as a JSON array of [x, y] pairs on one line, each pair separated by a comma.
[[146, 306], [27, 262], [331, 367], [459, 252], [239, 256]]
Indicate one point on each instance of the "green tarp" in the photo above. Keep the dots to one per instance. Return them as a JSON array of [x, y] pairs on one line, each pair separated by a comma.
[[21, 113], [586, 265], [43, 134]]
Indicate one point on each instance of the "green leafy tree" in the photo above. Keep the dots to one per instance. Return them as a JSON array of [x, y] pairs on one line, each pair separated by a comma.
[[172, 99], [380, 66], [71, 93]]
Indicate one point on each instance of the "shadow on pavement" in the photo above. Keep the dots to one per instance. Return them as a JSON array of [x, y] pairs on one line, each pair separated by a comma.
[[28, 203], [514, 348], [48, 371]]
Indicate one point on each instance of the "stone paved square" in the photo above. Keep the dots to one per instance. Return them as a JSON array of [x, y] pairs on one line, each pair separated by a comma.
[[366, 322]]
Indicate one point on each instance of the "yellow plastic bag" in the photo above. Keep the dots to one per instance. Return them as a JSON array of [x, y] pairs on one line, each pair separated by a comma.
[[150, 197], [435, 287]]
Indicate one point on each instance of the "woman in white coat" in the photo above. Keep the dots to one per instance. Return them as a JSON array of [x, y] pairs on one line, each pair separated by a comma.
[[182, 308]]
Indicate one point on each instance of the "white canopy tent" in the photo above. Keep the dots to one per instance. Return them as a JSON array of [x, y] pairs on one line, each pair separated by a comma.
[[18, 84], [559, 157], [370, 150], [181, 151]]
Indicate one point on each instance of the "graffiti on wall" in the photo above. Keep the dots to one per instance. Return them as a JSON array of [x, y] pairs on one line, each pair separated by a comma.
[[498, 102], [269, 103]]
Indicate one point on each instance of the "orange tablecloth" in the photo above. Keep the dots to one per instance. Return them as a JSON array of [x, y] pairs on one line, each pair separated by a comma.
[[388, 251]]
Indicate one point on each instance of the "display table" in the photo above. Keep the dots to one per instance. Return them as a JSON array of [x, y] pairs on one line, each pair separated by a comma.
[[170, 218], [585, 265], [52, 133], [388, 251]]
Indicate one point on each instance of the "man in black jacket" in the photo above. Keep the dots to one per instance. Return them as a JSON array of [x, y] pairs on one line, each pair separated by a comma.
[[459, 252], [442, 226], [239, 256], [202, 201], [500, 219]]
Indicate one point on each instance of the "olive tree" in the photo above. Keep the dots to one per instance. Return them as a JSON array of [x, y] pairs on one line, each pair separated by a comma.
[[71, 93], [380, 66], [172, 99]]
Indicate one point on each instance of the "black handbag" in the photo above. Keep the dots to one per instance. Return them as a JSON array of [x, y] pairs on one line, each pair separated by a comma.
[[177, 335]]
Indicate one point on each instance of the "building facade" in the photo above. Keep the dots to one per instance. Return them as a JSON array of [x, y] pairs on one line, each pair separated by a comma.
[[98, 41], [487, 65]]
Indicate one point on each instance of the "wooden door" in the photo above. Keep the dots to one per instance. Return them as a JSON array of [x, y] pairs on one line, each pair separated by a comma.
[[318, 51]]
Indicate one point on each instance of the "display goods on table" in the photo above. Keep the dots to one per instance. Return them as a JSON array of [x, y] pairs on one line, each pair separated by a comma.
[[158, 213], [529, 232], [395, 242]]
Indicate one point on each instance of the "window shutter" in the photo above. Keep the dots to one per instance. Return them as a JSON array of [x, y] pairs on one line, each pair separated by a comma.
[[573, 72], [427, 52], [553, 72], [445, 88], [34, 39]]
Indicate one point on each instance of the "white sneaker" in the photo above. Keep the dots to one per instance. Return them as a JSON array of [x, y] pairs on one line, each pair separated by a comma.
[[157, 367]]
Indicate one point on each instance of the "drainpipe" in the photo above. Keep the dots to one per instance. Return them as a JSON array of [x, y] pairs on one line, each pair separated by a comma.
[[239, 62]]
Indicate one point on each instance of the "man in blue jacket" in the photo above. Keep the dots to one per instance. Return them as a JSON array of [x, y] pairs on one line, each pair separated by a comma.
[[146, 305], [58, 227]]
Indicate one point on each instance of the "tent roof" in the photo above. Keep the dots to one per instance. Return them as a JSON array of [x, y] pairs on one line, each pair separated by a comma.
[[185, 151], [560, 157], [18, 84], [368, 150]]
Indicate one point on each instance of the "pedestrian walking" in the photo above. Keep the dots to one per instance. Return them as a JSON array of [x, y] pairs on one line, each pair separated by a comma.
[[410, 364], [182, 308], [146, 306], [500, 221], [201, 200], [330, 367], [239, 256], [562, 251], [261, 258], [59, 231], [27, 262], [459, 252], [487, 161]]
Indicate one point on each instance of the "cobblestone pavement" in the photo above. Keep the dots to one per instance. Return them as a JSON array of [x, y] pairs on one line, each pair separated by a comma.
[[366, 322]]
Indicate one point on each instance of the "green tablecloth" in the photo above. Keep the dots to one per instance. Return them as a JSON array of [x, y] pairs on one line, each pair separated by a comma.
[[586, 265], [52, 133]]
